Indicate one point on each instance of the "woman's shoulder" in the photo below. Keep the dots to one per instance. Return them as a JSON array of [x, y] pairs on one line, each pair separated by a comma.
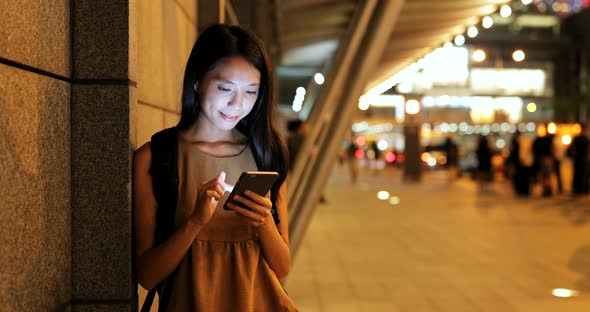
[[144, 153]]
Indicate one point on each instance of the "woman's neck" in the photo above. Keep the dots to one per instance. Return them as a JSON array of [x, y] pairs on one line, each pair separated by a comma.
[[200, 133]]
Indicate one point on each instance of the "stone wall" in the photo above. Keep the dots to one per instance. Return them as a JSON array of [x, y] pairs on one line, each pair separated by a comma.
[[167, 31], [83, 84], [35, 205]]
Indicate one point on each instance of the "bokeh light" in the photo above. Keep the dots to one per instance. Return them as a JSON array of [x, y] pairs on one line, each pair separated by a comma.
[[518, 56], [531, 107], [383, 195]]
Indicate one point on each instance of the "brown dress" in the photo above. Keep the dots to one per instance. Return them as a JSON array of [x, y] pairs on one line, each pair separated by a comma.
[[224, 269]]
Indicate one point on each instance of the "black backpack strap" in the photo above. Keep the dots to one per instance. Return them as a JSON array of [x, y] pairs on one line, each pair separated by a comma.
[[149, 299], [164, 172]]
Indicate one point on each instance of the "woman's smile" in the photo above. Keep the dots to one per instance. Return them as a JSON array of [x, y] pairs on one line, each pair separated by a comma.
[[229, 117]]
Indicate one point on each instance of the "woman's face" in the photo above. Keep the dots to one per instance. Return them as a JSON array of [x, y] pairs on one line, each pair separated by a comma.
[[228, 92]]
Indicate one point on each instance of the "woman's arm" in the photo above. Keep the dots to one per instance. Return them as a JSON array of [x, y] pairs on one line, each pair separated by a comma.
[[274, 240], [154, 264]]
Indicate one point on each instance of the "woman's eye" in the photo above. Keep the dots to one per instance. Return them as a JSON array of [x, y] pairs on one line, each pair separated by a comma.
[[220, 88], [251, 92]]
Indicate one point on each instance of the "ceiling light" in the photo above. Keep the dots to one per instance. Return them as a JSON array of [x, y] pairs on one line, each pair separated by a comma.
[[363, 105], [479, 55], [412, 107], [487, 22], [472, 32], [531, 107], [526, 2], [319, 78], [505, 11], [459, 40], [518, 55]]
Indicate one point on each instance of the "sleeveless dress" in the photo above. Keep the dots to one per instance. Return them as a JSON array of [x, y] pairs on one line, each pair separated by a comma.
[[224, 269]]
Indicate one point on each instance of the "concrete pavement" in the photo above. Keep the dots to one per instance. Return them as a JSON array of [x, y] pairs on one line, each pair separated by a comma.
[[443, 247]]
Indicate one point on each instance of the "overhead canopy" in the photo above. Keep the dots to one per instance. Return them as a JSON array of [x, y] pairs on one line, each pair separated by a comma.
[[309, 30]]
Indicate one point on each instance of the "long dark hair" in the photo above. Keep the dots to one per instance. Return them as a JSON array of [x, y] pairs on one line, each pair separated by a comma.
[[218, 42]]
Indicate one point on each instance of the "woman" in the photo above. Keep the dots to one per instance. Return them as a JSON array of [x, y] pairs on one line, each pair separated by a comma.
[[484, 163], [518, 170], [218, 260]]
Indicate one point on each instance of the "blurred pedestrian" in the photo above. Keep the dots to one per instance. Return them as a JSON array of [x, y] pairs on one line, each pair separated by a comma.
[[544, 159], [375, 157], [297, 131], [296, 134], [517, 169], [580, 153], [484, 164], [352, 161], [452, 154]]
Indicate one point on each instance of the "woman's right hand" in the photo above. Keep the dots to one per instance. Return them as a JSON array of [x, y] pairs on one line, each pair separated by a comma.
[[208, 195]]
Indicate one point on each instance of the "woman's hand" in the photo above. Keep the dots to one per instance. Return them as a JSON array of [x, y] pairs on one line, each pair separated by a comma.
[[260, 208], [208, 194]]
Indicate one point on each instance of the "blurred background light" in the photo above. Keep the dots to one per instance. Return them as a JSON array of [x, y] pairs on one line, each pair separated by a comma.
[[505, 11], [383, 195], [412, 107], [472, 32], [479, 55], [459, 40], [394, 200], [319, 78], [531, 107], [487, 22], [518, 56], [564, 292]]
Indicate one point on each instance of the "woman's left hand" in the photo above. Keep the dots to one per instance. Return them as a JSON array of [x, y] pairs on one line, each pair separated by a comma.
[[260, 208]]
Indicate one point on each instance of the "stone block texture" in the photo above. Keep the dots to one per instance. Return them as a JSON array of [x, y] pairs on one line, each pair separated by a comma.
[[149, 121], [37, 34], [101, 197], [35, 214], [101, 39], [166, 34]]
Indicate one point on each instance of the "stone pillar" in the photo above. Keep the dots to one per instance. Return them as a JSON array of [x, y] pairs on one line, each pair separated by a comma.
[[102, 140], [35, 204]]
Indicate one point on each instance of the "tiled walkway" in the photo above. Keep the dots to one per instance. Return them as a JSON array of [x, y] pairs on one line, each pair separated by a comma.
[[442, 248]]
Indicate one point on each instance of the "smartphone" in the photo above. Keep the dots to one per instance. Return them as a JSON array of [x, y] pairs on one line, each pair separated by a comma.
[[258, 182]]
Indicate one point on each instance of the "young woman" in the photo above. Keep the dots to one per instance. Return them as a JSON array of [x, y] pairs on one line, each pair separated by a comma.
[[223, 260]]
